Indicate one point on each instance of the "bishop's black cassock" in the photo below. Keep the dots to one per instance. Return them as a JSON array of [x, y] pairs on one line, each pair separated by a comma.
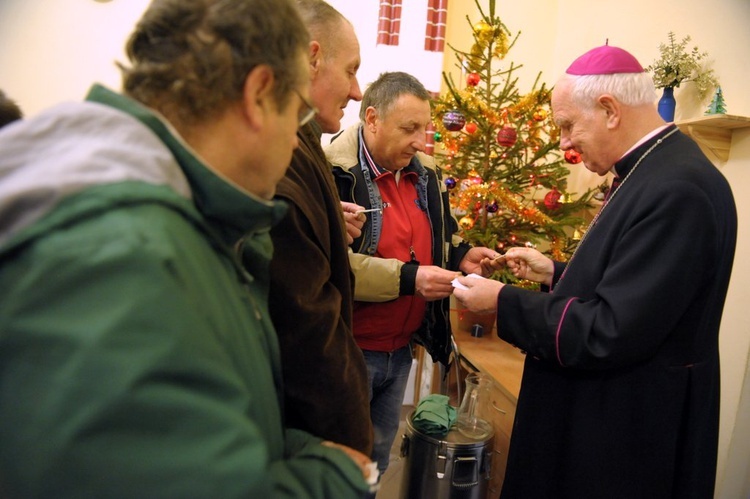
[[620, 392]]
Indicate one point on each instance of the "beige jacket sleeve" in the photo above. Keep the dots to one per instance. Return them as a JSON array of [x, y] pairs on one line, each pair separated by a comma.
[[375, 279]]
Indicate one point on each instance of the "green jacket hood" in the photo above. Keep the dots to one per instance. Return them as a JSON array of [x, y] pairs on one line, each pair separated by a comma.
[[112, 144]]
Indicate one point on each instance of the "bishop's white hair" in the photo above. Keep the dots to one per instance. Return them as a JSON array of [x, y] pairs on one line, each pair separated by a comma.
[[631, 89]]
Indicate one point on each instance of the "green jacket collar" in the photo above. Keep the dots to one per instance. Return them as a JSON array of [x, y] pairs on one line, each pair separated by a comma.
[[235, 211]]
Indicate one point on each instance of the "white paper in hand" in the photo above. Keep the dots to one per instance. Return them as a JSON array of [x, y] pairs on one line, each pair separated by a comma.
[[458, 285]]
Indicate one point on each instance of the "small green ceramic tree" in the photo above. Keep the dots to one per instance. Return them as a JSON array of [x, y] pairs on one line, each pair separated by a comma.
[[717, 103]]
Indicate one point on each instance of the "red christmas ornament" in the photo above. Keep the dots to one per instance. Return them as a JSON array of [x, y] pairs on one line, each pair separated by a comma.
[[552, 200], [572, 156], [507, 136], [470, 127], [473, 79]]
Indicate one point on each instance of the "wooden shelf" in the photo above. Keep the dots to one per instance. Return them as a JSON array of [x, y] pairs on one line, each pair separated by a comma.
[[713, 133]]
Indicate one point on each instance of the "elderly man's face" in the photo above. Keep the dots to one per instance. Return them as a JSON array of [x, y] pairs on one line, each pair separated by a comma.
[[335, 82], [584, 130]]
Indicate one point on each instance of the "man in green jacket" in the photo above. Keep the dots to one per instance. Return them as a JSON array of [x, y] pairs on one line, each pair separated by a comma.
[[137, 358]]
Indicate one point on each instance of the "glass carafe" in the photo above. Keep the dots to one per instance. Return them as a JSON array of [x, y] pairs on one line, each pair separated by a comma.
[[469, 421]]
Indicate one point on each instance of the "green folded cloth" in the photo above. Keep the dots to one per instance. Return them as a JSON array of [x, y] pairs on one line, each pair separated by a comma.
[[434, 415]]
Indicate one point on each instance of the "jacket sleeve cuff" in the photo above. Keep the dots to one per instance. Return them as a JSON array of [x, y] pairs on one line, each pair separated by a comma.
[[558, 272], [408, 280]]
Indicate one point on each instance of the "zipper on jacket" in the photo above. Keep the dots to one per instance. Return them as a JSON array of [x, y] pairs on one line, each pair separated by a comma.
[[413, 256], [246, 277]]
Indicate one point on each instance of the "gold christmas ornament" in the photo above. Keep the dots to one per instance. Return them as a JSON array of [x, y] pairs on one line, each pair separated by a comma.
[[540, 115], [466, 223], [483, 31]]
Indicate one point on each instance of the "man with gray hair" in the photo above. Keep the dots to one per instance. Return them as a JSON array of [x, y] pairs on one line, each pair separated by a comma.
[[138, 357], [408, 252], [620, 391]]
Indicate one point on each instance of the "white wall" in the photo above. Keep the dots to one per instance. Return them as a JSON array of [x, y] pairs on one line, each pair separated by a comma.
[[52, 51], [734, 340], [409, 55]]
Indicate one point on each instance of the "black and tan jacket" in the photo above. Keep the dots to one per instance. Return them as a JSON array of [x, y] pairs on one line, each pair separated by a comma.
[[379, 279]]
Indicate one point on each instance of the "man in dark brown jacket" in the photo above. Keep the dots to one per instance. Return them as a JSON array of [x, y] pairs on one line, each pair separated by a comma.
[[311, 293]]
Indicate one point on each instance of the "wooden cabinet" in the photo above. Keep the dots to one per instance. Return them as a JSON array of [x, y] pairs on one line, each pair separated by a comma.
[[503, 363]]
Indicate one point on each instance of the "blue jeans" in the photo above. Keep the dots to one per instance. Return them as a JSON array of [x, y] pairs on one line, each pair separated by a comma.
[[387, 374]]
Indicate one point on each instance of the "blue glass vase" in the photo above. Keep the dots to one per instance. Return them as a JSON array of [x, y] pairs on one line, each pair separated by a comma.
[[667, 104]]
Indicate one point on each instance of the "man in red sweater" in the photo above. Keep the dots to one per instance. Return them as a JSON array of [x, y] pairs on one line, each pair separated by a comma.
[[408, 253]]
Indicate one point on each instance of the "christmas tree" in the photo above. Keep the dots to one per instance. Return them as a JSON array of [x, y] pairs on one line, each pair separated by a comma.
[[717, 105], [500, 152]]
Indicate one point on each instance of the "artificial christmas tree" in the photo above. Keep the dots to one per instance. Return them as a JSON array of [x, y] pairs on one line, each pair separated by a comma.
[[500, 152]]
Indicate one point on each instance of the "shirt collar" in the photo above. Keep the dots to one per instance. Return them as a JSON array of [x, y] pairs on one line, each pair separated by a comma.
[[377, 171], [645, 138]]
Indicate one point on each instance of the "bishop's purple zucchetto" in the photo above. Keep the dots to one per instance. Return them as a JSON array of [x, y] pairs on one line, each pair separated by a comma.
[[605, 60]]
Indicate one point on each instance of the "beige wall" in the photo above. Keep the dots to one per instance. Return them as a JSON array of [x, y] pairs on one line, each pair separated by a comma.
[[553, 33], [51, 51]]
